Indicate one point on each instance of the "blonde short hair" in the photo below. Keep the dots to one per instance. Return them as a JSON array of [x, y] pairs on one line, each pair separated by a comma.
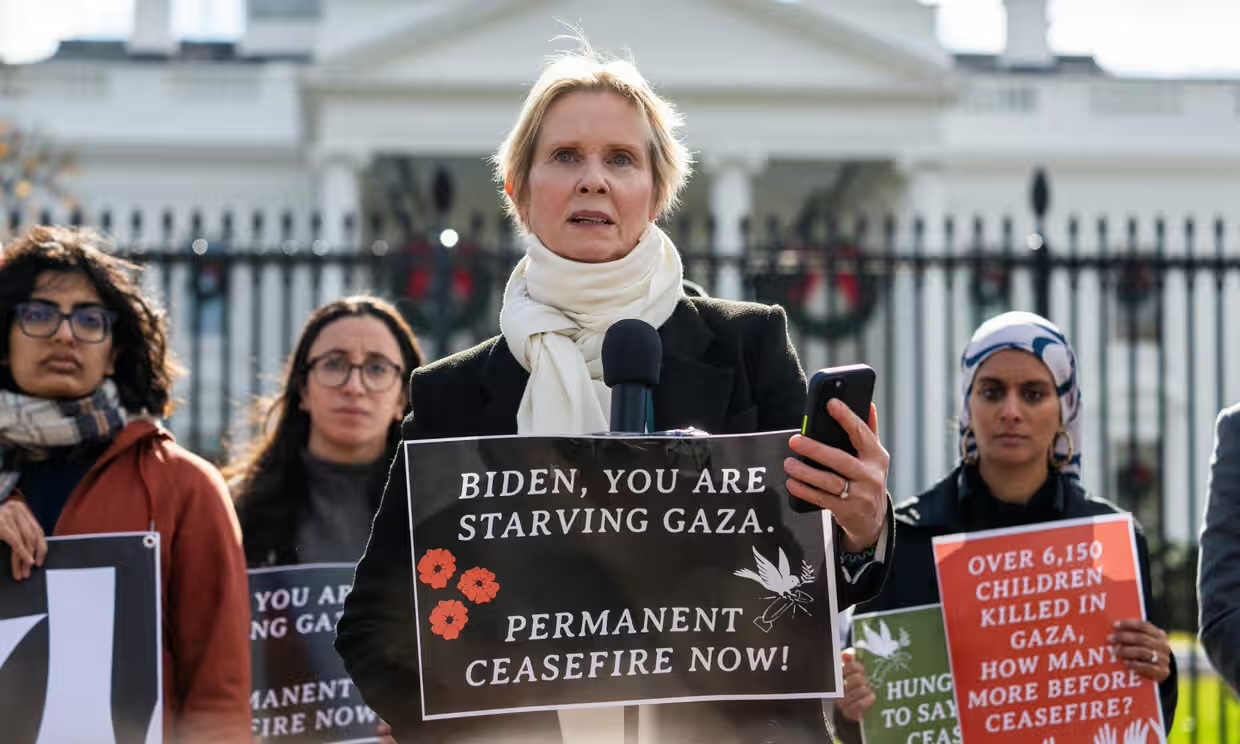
[[587, 70]]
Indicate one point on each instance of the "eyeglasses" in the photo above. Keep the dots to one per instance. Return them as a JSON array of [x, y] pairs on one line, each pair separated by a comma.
[[333, 369], [89, 324]]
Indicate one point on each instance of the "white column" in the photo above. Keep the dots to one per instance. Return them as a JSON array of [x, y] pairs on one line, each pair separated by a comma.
[[731, 201], [339, 198], [1028, 29], [8, 33], [152, 28], [921, 383]]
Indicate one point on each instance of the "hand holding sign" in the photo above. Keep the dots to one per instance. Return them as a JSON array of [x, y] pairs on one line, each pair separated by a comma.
[[1050, 651], [857, 496], [858, 695], [1143, 647], [902, 658], [22, 532], [532, 559], [80, 643]]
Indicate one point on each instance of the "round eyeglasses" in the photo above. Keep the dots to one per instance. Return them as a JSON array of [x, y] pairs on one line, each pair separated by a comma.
[[89, 324], [333, 369]]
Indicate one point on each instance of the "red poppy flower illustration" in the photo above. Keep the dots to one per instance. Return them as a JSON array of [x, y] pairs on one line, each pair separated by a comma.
[[478, 584], [436, 567], [448, 618]]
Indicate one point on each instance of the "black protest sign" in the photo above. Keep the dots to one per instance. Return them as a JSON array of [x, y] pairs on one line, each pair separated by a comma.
[[301, 691], [554, 572], [80, 643]]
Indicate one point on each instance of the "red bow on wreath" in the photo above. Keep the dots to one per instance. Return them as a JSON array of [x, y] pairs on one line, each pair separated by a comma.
[[421, 277], [856, 289], [468, 271]]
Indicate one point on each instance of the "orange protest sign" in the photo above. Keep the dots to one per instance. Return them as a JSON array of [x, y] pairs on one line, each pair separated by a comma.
[[1027, 612]]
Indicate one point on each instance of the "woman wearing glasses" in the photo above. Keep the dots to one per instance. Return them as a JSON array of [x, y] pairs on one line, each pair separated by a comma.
[[310, 484], [84, 377]]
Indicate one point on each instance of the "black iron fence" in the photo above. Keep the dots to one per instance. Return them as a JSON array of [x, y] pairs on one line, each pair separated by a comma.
[[1152, 307]]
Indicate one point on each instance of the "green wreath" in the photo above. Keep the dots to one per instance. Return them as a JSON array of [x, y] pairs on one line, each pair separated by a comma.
[[469, 278], [858, 289], [990, 285], [1136, 479], [1135, 284]]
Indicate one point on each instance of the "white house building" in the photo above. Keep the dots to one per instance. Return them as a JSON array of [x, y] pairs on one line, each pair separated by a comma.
[[787, 104]]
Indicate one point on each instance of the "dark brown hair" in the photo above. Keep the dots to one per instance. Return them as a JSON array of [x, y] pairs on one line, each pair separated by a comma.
[[268, 476], [144, 370]]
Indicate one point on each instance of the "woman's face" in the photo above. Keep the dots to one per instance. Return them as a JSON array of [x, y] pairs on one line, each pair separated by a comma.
[[349, 422], [590, 191], [76, 355], [1014, 409]]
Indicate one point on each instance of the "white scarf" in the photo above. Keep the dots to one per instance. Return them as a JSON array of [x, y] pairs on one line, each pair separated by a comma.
[[555, 314]]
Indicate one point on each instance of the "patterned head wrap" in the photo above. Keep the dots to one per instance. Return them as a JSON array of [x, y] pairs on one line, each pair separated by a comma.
[[1038, 336]]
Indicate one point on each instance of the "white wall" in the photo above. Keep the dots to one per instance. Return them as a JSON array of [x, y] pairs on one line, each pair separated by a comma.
[[208, 183]]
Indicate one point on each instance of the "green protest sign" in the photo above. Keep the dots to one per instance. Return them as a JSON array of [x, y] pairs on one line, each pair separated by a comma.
[[904, 653]]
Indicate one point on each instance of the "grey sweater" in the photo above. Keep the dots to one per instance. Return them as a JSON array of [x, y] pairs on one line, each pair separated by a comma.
[[336, 524]]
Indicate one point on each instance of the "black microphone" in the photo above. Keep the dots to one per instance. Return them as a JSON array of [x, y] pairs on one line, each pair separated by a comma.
[[632, 356]]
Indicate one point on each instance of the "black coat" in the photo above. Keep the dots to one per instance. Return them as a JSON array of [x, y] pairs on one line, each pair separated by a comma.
[[728, 368], [912, 581]]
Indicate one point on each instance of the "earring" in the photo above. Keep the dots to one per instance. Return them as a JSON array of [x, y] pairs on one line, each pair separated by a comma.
[[964, 447], [1057, 461]]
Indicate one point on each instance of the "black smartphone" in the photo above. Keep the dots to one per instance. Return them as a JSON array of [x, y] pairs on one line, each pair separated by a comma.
[[854, 385]]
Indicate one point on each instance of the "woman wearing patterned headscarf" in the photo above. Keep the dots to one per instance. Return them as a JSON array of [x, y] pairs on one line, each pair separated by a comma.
[[1020, 418]]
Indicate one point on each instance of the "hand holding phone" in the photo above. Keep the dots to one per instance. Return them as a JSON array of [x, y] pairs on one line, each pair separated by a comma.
[[854, 385]]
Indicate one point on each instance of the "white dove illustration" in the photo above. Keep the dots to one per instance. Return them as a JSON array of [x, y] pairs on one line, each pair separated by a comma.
[[880, 643], [779, 580]]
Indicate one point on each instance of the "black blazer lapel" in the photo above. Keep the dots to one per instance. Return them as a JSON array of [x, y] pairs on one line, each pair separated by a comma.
[[503, 382], [691, 391]]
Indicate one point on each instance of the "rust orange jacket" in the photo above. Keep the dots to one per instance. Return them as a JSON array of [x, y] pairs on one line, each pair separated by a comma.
[[144, 478]]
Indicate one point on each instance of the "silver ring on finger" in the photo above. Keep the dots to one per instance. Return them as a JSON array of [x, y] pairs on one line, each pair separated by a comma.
[[1154, 658], [847, 485]]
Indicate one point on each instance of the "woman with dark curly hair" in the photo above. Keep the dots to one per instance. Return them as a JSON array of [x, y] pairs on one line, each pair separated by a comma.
[[310, 484], [85, 375]]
